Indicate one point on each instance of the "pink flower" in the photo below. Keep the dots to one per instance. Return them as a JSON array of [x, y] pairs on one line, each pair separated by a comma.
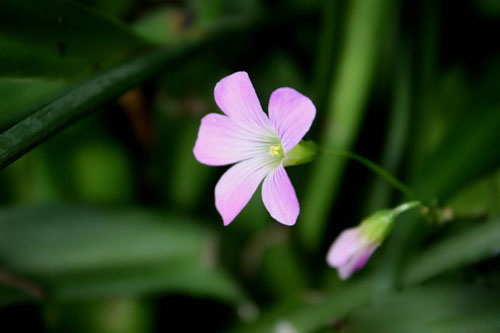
[[354, 246], [258, 144], [350, 252]]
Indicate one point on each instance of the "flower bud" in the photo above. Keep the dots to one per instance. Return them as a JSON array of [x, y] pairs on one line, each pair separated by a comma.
[[354, 246], [303, 152]]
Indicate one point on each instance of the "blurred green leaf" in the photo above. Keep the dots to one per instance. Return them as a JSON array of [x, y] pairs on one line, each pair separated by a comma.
[[469, 151], [102, 173], [117, 8], [59, 39], [178, 277], [110, 315], [487, 320], [50, 240], [468, 246], [442, 102], [188, 177], [79, 252], [279, 258], [162, 25], [29, 179], [310, 316], [479, 199], [18, 96], [345, 107], [421, 308]]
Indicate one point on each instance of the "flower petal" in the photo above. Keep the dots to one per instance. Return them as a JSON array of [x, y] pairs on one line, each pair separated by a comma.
[[236, 97], [291, 114], [279, 197], [222, 141], [362, 257], [344, 247], [346, 271], [356, 262], [237, 185]]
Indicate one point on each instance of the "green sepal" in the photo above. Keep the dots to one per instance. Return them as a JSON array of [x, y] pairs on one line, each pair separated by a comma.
[[377, 226], [303, 152]]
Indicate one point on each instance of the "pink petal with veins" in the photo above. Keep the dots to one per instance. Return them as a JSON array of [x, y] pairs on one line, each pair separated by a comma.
[[291, 114], [238, 184], [279, 197], [236, 97], [223, 141]]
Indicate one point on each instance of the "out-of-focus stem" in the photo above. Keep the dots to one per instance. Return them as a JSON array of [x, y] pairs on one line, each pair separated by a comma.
[[345, 109], [325, 51], [375, 168]]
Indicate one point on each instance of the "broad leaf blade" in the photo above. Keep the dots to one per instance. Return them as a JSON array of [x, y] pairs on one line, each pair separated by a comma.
[[312, 316], [79, 252], [419, 309]]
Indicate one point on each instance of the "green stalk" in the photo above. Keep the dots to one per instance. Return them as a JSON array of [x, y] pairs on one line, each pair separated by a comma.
[[345, 109], [325, 52], [78, 102], [375, 168]]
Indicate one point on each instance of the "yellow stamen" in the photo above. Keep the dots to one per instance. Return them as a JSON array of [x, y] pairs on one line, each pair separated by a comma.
[[277, 151]]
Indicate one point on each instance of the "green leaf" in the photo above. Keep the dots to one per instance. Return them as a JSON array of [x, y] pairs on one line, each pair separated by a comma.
[[79, 252], [310, 316], [487, 320], [161, 25], [59, 39], [80, 100], [106, 86], [479, 199], [178, 277], [424, 309], [20, 97], [111, 315], [51, 240], [98, 163], [463, 248]]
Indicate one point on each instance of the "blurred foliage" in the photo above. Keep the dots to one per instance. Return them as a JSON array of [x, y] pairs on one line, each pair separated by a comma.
[[108, 222], [59, 39]]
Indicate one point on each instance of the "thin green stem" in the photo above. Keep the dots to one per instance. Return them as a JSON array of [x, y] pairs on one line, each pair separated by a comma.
[[375, 168]]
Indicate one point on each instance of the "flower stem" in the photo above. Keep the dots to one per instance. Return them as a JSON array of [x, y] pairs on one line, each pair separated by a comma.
[[374, 167]]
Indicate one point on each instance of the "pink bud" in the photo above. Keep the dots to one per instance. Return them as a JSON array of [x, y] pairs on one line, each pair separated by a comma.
[[350, 252]]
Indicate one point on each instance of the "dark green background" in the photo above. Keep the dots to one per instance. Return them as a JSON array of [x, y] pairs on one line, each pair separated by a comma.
[[108, 223]]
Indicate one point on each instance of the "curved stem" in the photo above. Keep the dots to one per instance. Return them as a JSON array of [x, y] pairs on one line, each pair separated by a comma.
[[374, 167]]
